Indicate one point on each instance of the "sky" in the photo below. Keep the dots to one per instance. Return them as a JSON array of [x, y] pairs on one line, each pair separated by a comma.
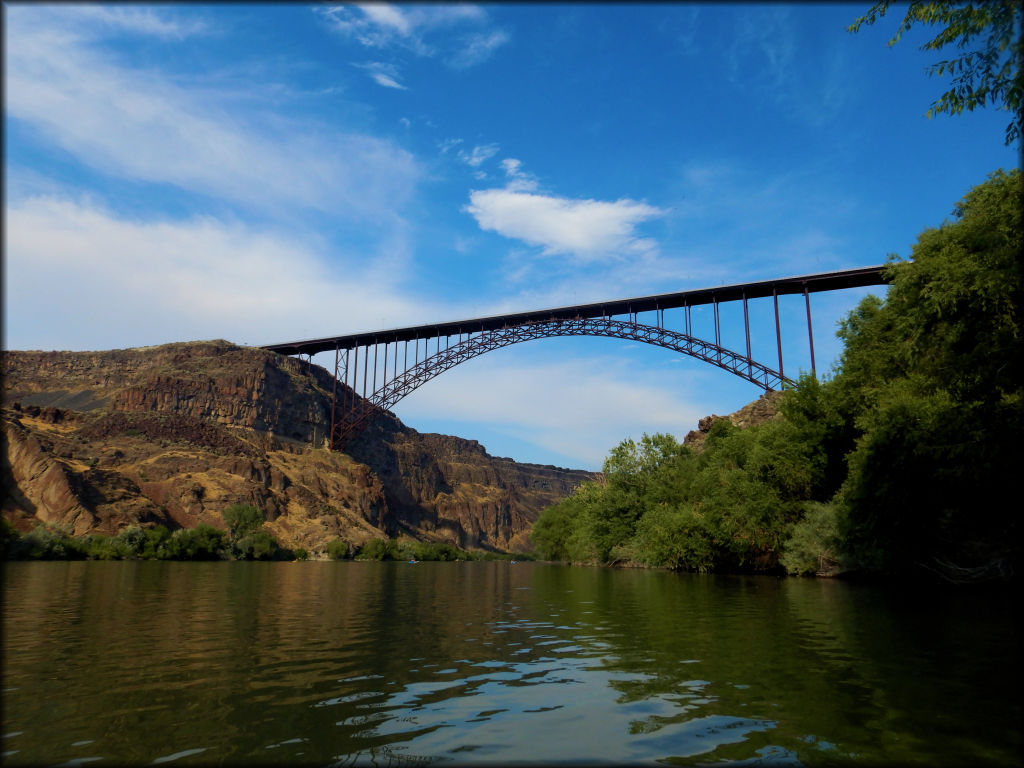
[[269, 173]]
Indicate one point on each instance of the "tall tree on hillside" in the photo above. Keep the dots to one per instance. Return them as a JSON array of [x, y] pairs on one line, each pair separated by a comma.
[[939, 374], [987, 69]]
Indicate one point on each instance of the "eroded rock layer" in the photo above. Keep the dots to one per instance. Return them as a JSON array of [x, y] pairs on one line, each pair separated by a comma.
[[96, 441]]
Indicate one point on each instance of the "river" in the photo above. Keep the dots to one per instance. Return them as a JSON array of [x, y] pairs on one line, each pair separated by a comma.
[[340, 663]]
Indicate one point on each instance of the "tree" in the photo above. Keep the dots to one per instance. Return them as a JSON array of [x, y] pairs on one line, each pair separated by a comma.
[[204, 542], [988, 67], [338, 549], [940, 369], [242, 519], [259, 545]]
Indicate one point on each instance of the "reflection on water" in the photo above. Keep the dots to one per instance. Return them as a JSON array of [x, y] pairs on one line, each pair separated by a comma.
[[378, 663]]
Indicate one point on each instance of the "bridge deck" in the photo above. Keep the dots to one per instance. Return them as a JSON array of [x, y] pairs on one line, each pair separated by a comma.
[[822, 281]]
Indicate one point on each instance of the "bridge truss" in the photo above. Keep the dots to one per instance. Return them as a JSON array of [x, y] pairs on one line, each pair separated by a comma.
[[363, 398]]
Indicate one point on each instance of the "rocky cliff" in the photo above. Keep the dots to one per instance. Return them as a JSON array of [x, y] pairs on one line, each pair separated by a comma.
[[95, 441], [765, 408]]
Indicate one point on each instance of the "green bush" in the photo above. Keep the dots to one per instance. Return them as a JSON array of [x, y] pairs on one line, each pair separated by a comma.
[[338, 549], [814, 543], [9, 537], [49, 543], [242, 519], [155, 537], [379, 549], [676, 537], [204, 542], [301, 553], [429, 550], [256, 546]]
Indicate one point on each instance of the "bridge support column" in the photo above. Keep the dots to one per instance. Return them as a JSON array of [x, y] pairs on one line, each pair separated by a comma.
[[810, 334], [778, 331], [334, 393], [746, 328]]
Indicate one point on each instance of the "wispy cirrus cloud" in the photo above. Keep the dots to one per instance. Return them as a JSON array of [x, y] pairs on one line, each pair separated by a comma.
[[140, 21], [764, 58], [383, 74], [142, 125], [588, 230], [425, 30], [478, 155], [476, 48]]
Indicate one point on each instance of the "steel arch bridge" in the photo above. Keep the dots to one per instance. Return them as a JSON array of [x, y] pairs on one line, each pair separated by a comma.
[[360, 401]]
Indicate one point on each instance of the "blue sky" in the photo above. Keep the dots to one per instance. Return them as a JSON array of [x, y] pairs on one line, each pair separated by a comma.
[[268, 173]]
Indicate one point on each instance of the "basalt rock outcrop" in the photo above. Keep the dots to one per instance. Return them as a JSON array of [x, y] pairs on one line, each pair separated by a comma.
[[765, 408], [171, 435]]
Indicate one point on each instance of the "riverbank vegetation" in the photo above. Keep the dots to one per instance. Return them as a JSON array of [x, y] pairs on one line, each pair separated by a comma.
[[245, 539], [904, 460]]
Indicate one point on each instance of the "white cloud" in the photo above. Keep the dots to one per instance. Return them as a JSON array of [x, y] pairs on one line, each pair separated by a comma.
[[387, 82], [586, 229], [140, 125], [477, 49], [383, 25], [78, 277], [144, 21], [518, 179], [448, 144], [383, 74], [764, 59], [580, 408], [478, 155]]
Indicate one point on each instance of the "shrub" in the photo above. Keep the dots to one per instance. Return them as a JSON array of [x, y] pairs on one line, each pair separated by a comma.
[[813, 544], [680, 538], [256, 546], [242, 519], [46, 543], [9, 537], [129, 543], [155, 537], [301, 553], [204, 542], [379, 549], [338, 549]]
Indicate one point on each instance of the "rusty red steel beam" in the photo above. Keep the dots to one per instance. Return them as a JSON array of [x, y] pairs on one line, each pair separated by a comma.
[[802, 284]]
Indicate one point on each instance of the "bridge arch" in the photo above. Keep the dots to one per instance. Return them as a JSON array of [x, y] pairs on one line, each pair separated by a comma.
[[393, 390]]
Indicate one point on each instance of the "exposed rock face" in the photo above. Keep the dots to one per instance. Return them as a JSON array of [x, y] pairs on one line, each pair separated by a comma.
[[765, 408], [95, 441]]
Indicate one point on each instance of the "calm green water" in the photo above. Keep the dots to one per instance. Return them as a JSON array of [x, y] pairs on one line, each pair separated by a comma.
[[390, 663]]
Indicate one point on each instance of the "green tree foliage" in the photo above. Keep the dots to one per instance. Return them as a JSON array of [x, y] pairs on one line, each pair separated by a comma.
[[338, 549], [242, 520], [204, 542], [379, 549], [9, 537], [987, 69], [906, 457], [814, 544], [940, 418], [665, 505], [409, 549], [46, 542], [258, 545]]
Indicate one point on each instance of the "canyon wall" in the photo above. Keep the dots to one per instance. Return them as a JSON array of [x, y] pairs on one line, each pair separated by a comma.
[[173, 434]]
